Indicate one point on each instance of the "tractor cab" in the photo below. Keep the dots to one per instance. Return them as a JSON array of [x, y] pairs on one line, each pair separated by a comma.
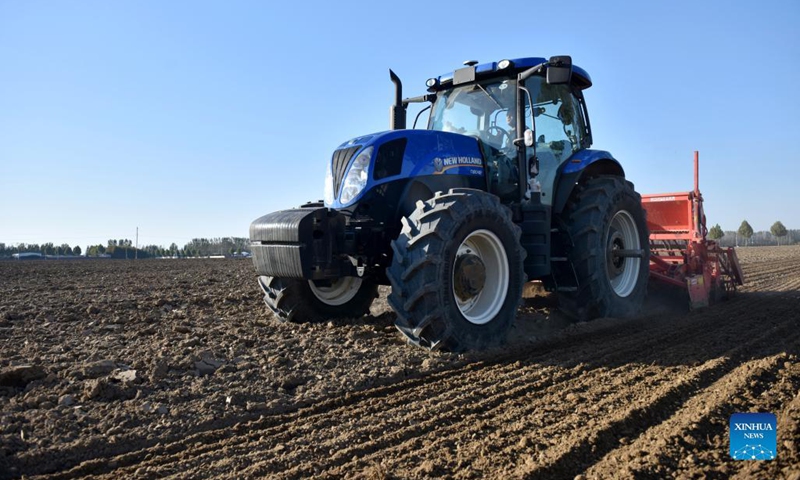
[[483, 101]]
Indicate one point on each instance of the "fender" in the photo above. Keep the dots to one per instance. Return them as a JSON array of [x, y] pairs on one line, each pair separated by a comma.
[[584, 163]]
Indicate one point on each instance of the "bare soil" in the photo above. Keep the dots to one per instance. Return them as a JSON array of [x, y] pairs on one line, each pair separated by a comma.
[[168, 368]]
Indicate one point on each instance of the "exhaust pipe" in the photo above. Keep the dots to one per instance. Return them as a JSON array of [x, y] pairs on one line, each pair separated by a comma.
[[397, 112]]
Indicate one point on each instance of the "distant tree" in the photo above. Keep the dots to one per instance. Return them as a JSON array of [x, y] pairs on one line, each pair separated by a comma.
[[716, 232], [77, 250], [745, 230], [778, 230]]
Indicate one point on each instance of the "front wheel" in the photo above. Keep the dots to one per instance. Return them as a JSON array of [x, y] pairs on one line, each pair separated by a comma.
[[299, 300], [610, 250], [457, 272]]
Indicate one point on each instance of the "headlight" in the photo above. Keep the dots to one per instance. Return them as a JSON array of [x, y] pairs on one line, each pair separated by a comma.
[[328, 185], [356, 178]]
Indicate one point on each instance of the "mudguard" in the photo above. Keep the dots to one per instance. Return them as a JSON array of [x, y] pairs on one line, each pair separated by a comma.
[[583, 162]]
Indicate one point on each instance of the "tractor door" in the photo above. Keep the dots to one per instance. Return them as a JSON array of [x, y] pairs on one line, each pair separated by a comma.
[[560, 129]]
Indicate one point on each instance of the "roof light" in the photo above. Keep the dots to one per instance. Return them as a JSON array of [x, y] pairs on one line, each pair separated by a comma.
[[431, 82], [503, 64]]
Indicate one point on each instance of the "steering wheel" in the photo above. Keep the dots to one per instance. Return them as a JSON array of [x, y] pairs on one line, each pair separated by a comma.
[[501, 131]]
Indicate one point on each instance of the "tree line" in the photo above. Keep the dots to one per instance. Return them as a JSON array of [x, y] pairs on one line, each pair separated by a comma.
[[204, 247], [124, 248], [745, 235], [44, 249]]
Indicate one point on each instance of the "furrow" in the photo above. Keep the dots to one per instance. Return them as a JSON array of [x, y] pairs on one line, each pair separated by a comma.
[[470, 410], [438, 432], [311, 420], [680, 429], [616, 351], [511, 434], [587, 451], [205, 441]]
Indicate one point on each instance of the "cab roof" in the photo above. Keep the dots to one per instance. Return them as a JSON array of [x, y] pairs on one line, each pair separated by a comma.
[[580, 78]]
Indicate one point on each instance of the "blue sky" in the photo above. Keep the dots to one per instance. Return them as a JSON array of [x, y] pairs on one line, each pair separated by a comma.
[[191, 119]]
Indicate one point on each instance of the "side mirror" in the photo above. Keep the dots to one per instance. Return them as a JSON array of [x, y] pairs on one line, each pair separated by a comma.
[[528, 137], [559, 70]]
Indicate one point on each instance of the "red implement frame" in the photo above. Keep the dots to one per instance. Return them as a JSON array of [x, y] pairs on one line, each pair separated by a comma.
[[680, 254]]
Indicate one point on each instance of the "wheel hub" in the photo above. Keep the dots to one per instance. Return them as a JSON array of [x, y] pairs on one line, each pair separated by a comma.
[[623, 270], [469, 276], [616, 264], [480, 277]]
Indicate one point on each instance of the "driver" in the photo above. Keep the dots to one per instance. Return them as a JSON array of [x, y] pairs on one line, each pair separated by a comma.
[[502, 164], [502, 138], [512, 127]]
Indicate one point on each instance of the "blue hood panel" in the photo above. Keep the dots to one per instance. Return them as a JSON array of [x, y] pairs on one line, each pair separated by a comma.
[[427, 152]]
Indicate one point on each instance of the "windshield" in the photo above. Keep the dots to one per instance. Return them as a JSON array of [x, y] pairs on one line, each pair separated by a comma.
[[484, 109]]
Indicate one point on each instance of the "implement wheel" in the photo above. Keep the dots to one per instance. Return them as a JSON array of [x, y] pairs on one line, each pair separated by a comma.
[[610, 250], [457, 272]]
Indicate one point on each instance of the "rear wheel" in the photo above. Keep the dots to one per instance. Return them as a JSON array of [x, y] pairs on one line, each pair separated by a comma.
[[299, 300], [610, 250], [457, 272]]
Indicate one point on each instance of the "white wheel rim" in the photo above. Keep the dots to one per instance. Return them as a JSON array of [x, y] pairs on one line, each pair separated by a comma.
[[482, 307], [340, 292], [623, 272]]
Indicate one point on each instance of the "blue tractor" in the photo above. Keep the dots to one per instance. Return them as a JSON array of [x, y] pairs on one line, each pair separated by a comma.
[[501, 188]]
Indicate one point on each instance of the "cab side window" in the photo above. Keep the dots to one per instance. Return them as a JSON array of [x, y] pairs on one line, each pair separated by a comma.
[[559, 129], [559, 120]]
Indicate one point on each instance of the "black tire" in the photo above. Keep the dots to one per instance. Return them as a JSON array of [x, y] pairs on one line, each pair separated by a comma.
[[293, 300], [604, 214], [435, 257]]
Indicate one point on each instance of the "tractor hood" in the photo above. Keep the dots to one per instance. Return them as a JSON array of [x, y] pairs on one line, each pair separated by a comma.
[[365, 162]]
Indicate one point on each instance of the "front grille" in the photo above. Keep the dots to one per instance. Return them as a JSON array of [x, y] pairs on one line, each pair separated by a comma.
[[341, 158]]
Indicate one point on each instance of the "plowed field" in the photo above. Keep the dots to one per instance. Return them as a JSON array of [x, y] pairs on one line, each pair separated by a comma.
[[150, 369]]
